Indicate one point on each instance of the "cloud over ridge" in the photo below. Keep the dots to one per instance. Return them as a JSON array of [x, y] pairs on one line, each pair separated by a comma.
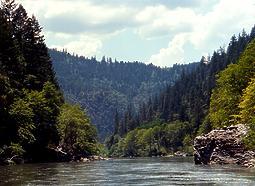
[[191, 27]]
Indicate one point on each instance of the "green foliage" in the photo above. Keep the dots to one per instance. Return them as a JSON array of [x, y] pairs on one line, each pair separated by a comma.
[[205, 127], [150, 124], [32, 118], [224, 107], [188, 99], [22, 114], [247, 113], [225, 97], [30, 98], [131, 145], [232, 100], [46, 105], [106, 86], [14, 149], [188, 144], [247, 105], [76, 132], [175, 134], [249, 140], [185, 105], [154, 141]]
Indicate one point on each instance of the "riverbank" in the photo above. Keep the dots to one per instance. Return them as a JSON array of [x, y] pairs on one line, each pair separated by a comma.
[[51, 155]]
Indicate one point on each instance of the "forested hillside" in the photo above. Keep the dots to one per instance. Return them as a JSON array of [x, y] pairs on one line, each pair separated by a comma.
[[233, 99], [172, 119], [106, 86], [33, 117]]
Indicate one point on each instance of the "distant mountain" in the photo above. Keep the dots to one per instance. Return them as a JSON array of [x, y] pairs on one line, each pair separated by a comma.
[[106, 86], [169, 122]]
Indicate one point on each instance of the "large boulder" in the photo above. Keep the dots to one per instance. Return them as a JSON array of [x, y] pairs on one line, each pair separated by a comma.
[[223, 146]]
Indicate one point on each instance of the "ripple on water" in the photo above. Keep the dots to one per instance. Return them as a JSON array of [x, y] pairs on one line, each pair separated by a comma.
[[143, 171]]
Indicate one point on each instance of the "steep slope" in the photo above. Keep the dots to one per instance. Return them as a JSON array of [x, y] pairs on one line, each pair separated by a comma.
[[232, 103], [29, 95], [104, 87], [187, 102], [231, 83], [34, 121]]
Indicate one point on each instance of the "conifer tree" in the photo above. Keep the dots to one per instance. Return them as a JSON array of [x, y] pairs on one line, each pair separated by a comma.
[[28, 106], [39, 65], [10, 57], [8, 7], [117, 123]]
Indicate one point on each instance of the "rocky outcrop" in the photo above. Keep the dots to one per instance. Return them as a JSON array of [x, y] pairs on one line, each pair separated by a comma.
[[223, 146]]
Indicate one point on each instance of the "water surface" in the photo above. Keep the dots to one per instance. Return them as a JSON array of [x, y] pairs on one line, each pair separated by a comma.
[[141, 171]]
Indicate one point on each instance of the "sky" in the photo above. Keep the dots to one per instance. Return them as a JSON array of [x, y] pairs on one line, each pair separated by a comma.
[[161, 32]]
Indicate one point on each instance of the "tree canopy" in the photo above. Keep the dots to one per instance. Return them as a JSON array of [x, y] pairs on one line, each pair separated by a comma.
[[30, 98], [192, 98], [232, 88]]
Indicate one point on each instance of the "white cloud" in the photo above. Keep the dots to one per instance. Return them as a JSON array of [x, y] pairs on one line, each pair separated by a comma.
[[82, 26], [81, 16], [81, 45], [158, 21], [209, 30], [173, 53]]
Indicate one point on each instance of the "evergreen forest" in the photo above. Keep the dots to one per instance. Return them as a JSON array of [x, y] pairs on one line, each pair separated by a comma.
[[105, 87], [57, 106], [216, 94], [35, 121]]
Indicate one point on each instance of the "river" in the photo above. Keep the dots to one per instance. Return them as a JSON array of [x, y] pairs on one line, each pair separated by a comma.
[[140, 171]]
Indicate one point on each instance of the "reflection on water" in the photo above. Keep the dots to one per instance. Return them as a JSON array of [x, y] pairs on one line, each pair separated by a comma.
[[142, 171]]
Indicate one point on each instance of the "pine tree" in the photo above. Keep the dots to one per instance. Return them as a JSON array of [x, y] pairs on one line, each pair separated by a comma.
[[8, 7], [233, 49], [18, 24], [252, 34], [39, 65], [28, 109], [230, 84], [117, 123]]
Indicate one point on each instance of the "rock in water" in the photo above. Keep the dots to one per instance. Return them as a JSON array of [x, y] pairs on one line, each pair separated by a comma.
[[223, 146]]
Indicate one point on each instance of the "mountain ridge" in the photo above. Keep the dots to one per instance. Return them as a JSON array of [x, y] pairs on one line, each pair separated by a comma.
[[102, 87]]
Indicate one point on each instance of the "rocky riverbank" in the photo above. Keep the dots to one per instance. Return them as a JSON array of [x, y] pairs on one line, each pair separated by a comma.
[[52, 155], [224, 146]]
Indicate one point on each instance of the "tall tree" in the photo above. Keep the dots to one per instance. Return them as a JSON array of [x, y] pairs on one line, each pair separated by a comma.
[[39, 69], [28, 106], [8, 7], [117, 123], [230, 84]]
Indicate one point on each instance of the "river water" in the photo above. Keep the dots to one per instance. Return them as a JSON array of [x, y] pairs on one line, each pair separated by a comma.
[[141, 171]]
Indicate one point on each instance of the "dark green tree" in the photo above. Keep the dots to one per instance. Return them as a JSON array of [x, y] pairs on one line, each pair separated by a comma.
[[117, 123]]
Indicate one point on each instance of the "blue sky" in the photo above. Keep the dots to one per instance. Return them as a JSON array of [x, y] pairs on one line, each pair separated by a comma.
[[162, 32]]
